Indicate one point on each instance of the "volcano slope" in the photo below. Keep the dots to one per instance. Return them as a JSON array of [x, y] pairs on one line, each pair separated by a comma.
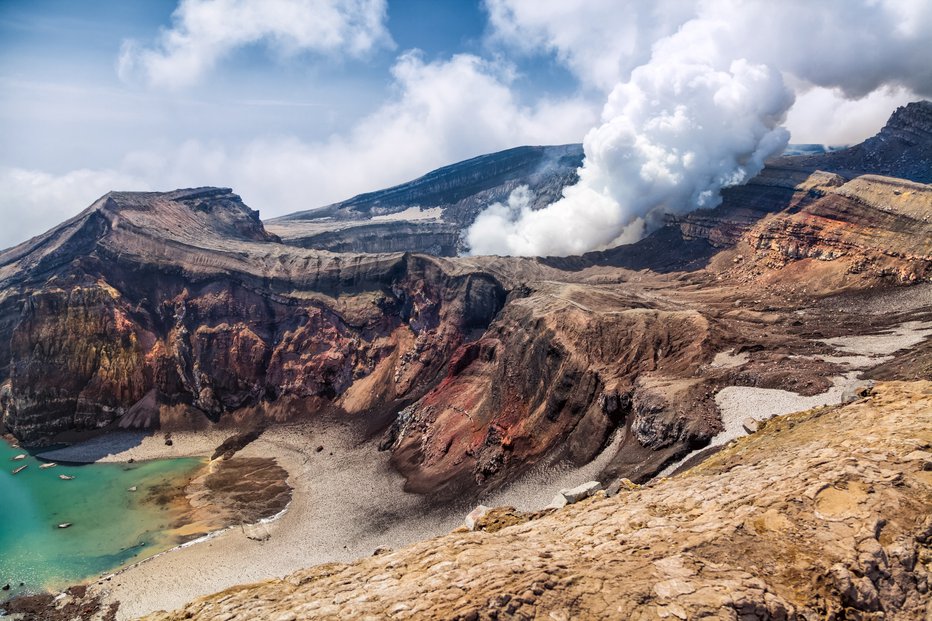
[[822, 514], [180, 310], [428, 214]]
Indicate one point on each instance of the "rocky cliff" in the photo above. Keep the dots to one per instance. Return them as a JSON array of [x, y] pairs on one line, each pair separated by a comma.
[[822, 514], [177, 308], [428, 236], [182, 310]]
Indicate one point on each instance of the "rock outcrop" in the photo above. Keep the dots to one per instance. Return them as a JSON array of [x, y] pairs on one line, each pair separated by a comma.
[[874, 225], [821, 514], [901, 149], [558, 367]]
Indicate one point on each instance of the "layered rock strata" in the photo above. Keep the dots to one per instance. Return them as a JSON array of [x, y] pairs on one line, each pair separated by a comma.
[[181, 310]]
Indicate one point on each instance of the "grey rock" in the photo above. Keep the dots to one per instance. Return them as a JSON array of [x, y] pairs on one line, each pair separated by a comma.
[[857, 391], [580, 492]]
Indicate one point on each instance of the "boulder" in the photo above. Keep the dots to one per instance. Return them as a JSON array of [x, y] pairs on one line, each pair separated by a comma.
[[619, 485], [580, 491], [475, 515], [857, 391], [750, 425]]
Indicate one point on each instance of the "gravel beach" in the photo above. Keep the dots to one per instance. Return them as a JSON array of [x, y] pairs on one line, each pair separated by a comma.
[[347, 501]]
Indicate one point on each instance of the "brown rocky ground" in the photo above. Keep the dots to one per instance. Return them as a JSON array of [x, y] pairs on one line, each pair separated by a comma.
[[822, 514], [74, 603]]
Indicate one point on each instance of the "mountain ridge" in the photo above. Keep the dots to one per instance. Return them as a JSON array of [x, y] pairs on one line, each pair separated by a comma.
[[900, 149], [181, 310], [525, 164]]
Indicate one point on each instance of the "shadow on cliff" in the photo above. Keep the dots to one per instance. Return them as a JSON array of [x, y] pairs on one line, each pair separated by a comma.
[[88, 448], [663, 251]]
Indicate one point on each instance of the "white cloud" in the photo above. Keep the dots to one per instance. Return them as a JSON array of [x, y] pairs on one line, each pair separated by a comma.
[[854, 45], [441, 112], [205, 31], [600, 41], [38, 198], [825, 116]]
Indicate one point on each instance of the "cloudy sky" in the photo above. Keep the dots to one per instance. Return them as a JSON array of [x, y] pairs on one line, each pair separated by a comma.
[[299, 103]]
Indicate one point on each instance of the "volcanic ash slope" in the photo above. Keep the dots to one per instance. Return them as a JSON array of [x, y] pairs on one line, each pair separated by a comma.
[[822, 514]]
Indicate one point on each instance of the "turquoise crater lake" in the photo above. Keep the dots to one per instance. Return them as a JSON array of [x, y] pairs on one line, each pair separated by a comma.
[[111, 526]]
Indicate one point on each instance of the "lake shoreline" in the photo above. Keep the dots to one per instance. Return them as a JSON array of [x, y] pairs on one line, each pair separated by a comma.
[[70, 522], [346, 502]]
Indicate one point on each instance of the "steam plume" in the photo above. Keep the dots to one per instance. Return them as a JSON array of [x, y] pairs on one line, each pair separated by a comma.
[[704, 112]]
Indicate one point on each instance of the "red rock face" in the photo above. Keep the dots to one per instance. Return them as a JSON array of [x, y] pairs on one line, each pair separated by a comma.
[[86, 355], [143, 321], [550, 371], [179, 310]]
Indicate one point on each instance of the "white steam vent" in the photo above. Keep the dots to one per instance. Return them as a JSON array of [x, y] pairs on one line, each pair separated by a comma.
[[704, 112]]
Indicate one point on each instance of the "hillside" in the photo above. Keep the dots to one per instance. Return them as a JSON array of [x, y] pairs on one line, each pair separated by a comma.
[[429, 214], [181, 311], [822, 514]]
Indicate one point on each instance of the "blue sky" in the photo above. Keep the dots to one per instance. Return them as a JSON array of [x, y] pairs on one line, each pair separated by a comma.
[[63, 104], [61, 93], [298, 103]]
